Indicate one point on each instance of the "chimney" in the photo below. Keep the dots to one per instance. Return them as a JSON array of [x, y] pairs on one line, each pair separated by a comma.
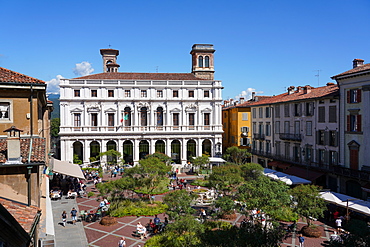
[[330, 84], [241, 100], [299, 89], [14, 146], [253, 95], [307, 89], [291, 90], [357, 62]]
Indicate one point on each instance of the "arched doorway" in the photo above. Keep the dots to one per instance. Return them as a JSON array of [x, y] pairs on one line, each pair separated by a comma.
[[78, 152], [191, 149], [94, 151], [143, 149], [176, 151], [111, 159], [353, 188], [207, 147], [128, 152], [160, 147]]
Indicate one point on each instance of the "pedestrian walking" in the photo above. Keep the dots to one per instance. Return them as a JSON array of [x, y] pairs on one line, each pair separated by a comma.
[[64, 218], [301, 240], [122, 242], [74, 216], [338, 223]]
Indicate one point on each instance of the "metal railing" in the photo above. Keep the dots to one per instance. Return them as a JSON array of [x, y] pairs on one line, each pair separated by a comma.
[[290, 137]]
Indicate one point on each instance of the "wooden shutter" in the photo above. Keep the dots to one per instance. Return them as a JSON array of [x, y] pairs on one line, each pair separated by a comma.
[[359, 123], [358, 95], [348, 122], [349, 96]]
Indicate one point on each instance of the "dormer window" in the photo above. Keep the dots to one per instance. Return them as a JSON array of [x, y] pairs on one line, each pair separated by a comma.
[[200, 61]]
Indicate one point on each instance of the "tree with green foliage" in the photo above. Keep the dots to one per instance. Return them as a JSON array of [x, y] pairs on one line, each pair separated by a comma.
[[226, 178], [236, 155], [251, 171], [307, 202], [225, 204], [76, 159], [184, 232], [264, 194], [199, 161], [112, 156], [54, 127], [150, 175], [162, 157], [179, 202]]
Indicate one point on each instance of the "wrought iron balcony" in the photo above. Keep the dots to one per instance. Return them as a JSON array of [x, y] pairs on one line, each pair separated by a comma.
[[290, 137]]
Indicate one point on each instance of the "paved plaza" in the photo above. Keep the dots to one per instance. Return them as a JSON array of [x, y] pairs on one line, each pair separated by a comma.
[[95, 235]]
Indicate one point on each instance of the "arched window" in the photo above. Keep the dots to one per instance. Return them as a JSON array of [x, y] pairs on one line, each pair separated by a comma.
[[94, 149], [78, 150], [128, 150], [127, 116], [143, 149], [207, 147], [143, 116], [159, 116], [191, 149], [111, 159], [206, 61], [200, 61], [176, 151], [160, 147]]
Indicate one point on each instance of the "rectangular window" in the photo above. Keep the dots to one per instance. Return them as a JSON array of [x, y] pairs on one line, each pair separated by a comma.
[[5, 108], [286, 110], [268, 129], [321, 137], [354, 96], [277, 148], [309, 128], [77, 93], [333, 158], [127, 93], [206, 94], [254, 126], [268, 147], [354, 123], [94, 119], [244, 130], [287, 150], [260, 112], [286, 127], [333, 138], [244, 142], [191, 94], [297, 110], [175, 93], [191, 119], [77, 119], [206, 119], [254, 113], [321, 114], [176, 121], [244, 116], [277, 127], [332, 114], [110, 93], [110, 119], [143, 94], [94, 93], [277, 111], [297, 127], [309, 109], [159, 94], [268, 112]]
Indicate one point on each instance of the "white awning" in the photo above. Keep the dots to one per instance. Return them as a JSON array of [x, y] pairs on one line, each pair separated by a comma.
[[216, 160], [286, 178], [66, 168]]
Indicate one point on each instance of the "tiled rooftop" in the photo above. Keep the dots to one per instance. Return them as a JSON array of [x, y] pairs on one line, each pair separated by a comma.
[[38, 150], [141, 76], [360, 68], [24, 214], [7, 75]]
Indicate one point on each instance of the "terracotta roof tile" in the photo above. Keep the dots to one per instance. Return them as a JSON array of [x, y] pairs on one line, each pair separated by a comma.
[[354, 70], [325, 91], [7, 75], [24, 214], [142, 76], [38, 154]]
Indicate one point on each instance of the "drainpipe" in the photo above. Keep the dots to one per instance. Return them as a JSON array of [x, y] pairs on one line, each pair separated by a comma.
[[30, 151]]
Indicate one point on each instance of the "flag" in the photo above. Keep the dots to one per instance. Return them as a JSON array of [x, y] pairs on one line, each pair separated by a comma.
[[121, 120], [126, 116]]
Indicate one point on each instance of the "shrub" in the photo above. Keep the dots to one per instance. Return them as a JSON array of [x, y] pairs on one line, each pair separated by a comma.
[[108, 221], [311, 231], [90, 194], [135, 208], [200, 182]]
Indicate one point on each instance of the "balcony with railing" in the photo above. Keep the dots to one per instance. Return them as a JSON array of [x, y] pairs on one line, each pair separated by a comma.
[[290, 137]]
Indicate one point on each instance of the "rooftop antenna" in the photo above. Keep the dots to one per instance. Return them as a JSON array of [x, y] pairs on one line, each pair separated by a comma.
[[318, 76], [109, 46], [156, 69]]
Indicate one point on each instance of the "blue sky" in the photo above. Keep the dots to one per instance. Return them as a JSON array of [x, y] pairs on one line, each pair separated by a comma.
[[264, 45]]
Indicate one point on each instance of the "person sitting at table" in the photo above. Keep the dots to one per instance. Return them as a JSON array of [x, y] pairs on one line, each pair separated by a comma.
[[141, 230]]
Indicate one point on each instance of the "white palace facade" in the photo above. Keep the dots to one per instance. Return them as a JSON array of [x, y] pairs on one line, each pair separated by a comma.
[[178, 114]]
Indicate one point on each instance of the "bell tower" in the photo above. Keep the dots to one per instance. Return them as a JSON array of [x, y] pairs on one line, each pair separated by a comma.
[[202, 61], [109, 60]]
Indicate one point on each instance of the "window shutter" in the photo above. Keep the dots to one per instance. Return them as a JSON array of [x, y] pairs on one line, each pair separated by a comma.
[[326, 157], [326, 138], [359, 123], [241, 129], [349, 96], [348, 122], [336, 139], [358, 95], [241, 141], [317, 136]]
